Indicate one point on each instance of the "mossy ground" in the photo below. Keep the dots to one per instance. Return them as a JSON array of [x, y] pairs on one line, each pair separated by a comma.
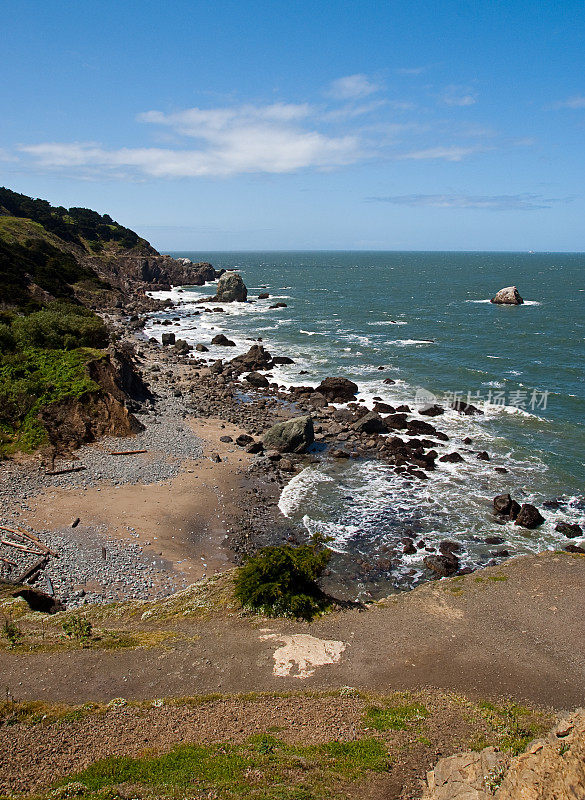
[[267, 765]]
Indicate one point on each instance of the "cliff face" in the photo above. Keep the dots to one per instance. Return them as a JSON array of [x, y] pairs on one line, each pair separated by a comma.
[[49, 252]]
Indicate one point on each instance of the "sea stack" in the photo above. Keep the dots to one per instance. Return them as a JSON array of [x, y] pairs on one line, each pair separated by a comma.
[[509, 296], [230, 288]]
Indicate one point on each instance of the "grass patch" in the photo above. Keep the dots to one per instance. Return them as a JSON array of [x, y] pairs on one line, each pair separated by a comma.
[[514, 726], [261, 767], [394, 718]]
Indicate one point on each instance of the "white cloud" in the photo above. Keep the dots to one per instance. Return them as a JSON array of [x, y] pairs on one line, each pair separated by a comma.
[[501, 202], [458, 96], [572, 102], [353, 87], [443, 153]]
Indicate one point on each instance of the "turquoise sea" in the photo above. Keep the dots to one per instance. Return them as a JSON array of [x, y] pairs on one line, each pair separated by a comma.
[[426, 319]]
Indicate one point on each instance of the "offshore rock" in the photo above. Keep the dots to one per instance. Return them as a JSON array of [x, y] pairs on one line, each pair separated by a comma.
[[337, 390], [529, 516], [231, 288], [509, 296]]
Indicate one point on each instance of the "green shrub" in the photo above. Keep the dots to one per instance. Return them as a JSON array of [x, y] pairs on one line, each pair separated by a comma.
[[60, 326], [281, 580], [7, 340], [77, 627], [11, 631]]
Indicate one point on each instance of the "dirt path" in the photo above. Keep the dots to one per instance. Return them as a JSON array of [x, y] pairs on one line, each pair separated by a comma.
[[514, 630]]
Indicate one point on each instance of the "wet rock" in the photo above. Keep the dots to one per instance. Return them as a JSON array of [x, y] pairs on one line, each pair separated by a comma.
[[432, 410], [418, 427], [182, 347], [494, 540], [529, 516], [222, 341], [446, 547], [573, 548], [505, 506], [483, 455], [282, 360], [370, 423], [201, 348], [263, 296], [509, 296], [257, 380], [292, 436], [231, 288], [571, 530], [501, 470], [408, 549], [256, 358], [168, 339], [278, 305], [339, 453], [465, 408], [442, 566], [395, 421], [383, 408], [452, 458], [403, 409], [389, 381], [338, 390]]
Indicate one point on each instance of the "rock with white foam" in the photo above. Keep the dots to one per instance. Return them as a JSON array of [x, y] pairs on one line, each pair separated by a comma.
[[508, 296]]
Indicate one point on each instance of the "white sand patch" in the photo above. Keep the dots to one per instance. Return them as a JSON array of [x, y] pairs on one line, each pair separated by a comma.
[[301, 654]]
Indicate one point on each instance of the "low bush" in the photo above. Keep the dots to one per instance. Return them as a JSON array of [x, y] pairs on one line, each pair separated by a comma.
[[282, 580], [60, 326]]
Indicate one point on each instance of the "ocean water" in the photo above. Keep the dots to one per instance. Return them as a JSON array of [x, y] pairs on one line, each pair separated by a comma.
[[426, 319]]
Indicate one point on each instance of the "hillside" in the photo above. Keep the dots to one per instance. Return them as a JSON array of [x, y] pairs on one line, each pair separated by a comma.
[[58, 267]]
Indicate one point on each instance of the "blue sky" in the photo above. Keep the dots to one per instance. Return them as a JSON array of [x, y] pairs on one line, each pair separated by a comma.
[[305, 125]]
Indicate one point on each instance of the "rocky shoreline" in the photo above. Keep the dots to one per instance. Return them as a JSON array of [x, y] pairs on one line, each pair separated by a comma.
[[176, 386]]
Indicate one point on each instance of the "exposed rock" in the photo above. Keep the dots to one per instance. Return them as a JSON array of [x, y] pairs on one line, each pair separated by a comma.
[[231, 288], [529, 516], [483, 455], [292, 436], [201, 348], [182, 347], [505, 506], [452, 458], [383, 408], [168, 339], [282, 360], [244, 439], [263, 296], [370, 423], [257, 380], [442, 565], [418, 427], [574, 548], [338, 390], [256, 358], [509, 296], [395, 421], [222, 341], [571, 530], [278, 305], [465, 408], [433, 410]]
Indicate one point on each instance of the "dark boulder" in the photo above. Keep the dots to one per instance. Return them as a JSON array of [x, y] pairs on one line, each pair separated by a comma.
[[465, 408], [418, 427], [201, 348], [395, 422], [442, 566], [383, 408], [483, 455], [263, 296], [256, 358], [168, 339], [432, 410], [338, 390], [529, 516], [452, 458], [282, 360], [505, 506], [257, 380], [571, 530], [278, 305], [370, 423], [244, 439], [222, 341], [573, 548]]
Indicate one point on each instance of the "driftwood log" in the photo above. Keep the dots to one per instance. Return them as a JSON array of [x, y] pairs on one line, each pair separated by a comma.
[[64, 471], [127, 452]]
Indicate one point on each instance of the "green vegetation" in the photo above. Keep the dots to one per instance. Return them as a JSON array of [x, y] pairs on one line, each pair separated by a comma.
[[77, 627], [32, 379], [281, 580], [513, 724], [262, 767], [394, 718], [75, 225], [11, 632]]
